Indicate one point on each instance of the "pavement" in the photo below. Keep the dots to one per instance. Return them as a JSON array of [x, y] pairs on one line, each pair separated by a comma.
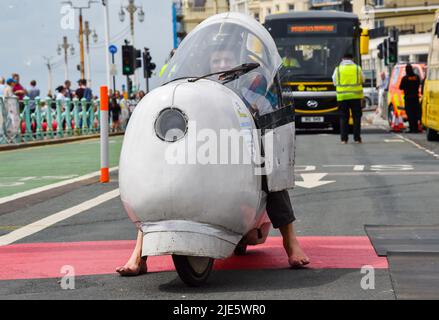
[[83, 231]]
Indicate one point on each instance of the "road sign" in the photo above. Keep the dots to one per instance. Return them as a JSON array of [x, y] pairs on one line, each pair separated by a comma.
[[112, 49], [113, 70]]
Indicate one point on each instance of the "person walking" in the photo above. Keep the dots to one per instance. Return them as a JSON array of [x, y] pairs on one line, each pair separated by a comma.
[[410, 84], [348, 79], [32, 94]]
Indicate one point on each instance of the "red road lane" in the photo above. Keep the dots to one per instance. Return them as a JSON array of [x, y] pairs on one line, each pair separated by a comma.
[[45, 260]]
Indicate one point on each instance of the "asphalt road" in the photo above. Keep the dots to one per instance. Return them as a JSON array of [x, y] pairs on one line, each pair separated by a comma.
[[389, 179]]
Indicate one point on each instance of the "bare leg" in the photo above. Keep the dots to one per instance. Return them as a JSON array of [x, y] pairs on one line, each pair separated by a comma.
[[136, 265], [296, 256]]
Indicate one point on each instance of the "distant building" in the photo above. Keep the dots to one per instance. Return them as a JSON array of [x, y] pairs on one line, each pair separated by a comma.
[[195, 11], [259, 9], [412, 18]]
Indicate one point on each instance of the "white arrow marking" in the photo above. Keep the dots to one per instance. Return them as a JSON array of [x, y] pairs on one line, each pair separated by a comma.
[[312, 180]]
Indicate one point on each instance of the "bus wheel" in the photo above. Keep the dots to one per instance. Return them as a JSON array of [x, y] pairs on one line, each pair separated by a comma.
[[432, 135], [194, 271]]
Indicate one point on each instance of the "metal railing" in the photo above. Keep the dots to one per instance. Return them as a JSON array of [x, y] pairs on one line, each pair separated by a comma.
[[49, 119], [402, 29]]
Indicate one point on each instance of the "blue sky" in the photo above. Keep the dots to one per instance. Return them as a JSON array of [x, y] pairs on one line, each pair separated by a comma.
[[32, 29]]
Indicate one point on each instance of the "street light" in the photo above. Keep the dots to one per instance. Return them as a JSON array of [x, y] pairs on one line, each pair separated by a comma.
[[65, 46], [81, 30]]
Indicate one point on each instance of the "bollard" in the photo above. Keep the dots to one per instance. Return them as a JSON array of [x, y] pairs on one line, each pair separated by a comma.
[[105, 174]]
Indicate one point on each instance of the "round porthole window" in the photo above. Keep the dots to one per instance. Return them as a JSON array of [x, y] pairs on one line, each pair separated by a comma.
[[171, 125]]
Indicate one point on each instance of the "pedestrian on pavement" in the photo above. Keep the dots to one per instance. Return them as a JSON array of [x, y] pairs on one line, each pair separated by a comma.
[[69, 91], [19, 90], [61, 96], [115, 114], [278, 205], [2, 85], [348, 79], [410, 84], [32, 94], [382, 91]]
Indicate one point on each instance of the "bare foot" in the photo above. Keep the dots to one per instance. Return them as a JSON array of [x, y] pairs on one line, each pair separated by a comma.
[[296, 257], [133, 269]]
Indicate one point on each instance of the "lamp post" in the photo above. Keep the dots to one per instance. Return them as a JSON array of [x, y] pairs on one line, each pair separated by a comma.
[[88, 33], [131, 8], [64, 47], [81, 31], [49, 65]]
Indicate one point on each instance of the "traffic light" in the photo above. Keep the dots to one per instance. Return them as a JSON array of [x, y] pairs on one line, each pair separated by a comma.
[[380, 51], [128, 66], [138, 58], [148, 66], [393, 51]]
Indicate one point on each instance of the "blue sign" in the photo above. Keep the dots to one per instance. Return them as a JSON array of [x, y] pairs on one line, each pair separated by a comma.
[[113, 49]]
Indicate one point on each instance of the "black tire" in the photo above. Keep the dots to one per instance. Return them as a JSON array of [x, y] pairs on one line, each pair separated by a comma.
[[241, 249], [432, 135], [189, 272]]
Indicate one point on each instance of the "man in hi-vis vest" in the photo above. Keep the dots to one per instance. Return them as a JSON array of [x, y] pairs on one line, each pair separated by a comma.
[[348, 79]]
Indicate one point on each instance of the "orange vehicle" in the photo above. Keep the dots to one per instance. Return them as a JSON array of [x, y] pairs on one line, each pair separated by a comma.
[[395, 96]]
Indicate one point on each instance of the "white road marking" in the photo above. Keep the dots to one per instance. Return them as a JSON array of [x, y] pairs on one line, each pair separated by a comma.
[[55, 218], [312, 180], [419, 146], [51, 186], [393, 140]]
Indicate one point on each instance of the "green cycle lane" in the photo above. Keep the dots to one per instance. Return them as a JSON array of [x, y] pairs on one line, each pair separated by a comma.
[[25, 169]]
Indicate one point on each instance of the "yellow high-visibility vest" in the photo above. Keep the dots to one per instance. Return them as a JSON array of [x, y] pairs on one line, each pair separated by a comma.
[[348, 81]]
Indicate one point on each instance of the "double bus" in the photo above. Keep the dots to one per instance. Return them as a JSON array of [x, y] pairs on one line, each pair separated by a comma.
[[312, 44]]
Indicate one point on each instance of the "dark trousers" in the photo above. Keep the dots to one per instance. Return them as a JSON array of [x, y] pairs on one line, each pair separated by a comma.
[[413, 110], [279, 208], [355, 107]]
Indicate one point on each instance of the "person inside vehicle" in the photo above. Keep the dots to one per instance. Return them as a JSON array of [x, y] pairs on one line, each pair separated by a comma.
[[278, 205]]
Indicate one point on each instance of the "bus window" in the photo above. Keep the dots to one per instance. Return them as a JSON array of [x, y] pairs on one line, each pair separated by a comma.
[[312, 57]]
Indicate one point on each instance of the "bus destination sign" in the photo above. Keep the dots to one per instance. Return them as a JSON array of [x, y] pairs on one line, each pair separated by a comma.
[[314, 28]]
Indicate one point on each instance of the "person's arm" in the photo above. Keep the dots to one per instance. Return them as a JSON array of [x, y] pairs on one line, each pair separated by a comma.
[[334, 77], [403, 84]]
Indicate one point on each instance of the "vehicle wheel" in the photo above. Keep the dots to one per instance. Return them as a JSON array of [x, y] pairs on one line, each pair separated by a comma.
[[193, 271], [241, 249], [432, 135]]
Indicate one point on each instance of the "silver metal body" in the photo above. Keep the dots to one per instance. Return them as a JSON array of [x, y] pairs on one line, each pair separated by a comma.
[[193, 209], [184, 204]]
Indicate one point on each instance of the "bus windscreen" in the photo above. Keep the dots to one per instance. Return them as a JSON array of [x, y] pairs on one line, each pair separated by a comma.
[[315, 57]]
